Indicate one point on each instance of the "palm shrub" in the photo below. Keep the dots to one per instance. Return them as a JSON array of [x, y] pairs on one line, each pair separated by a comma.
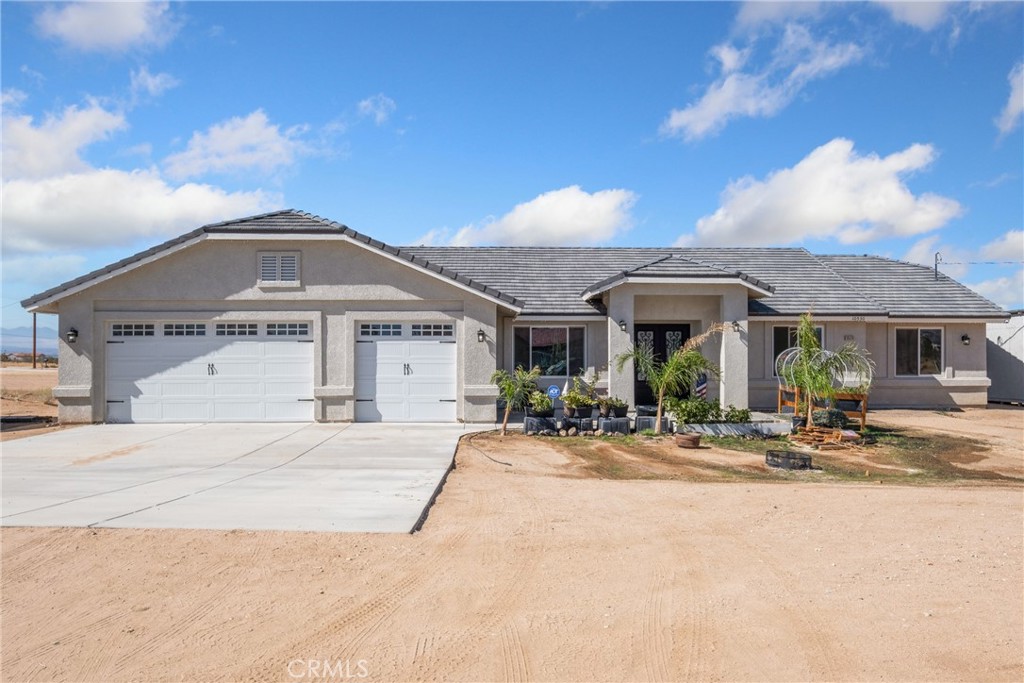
[[677, 372], [515, 388], [817, 372]]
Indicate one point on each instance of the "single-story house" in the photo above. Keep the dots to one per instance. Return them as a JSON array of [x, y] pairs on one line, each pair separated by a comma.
[[288, 316]]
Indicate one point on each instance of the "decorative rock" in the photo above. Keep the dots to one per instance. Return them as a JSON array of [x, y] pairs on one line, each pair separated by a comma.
[[599, 432], [562, 432], [573, 431], [531, 433]]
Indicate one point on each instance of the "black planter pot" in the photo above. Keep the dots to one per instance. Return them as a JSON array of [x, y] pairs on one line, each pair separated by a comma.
[[530, 412], [620, 412], [647, 411], [798, 422]]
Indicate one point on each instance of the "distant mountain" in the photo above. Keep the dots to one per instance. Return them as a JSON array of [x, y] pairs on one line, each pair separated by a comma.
[[19, 340]]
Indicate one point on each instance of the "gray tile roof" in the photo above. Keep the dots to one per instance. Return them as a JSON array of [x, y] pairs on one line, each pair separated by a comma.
[[908, 290], [551, 280], [674, 266], [287, 221]]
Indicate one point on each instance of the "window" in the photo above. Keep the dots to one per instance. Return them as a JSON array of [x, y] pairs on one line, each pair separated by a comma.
[[277, 267], [433, 330], [133, 330], [380, 330], [919, 351], [557, 350], [237, 329], [184, 330], [287, 329], [785, 338]]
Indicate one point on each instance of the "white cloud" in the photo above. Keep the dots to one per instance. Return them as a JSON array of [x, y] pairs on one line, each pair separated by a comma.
[[154, 85], [102, 207], [1008, 247], [797, 60], [31, 151], [755, 13], [923, 15], [108, 26], [238, 144], [1007, 292], [12, 98], [379, 107], [953, 260], [569, 216], [53, 200], [832, 192], [1011, 115]]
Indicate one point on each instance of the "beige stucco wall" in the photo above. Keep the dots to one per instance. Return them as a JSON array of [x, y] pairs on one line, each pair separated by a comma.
[[963, 383], [700, 306], [342, 284]]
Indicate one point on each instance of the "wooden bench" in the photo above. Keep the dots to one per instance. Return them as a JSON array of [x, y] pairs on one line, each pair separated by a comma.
[[789, 397]]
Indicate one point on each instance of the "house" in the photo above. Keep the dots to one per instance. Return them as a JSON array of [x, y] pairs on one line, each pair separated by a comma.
[[1005, 347], [288, 316]]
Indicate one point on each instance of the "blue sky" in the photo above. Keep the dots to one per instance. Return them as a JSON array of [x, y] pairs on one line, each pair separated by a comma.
[[886, 128]]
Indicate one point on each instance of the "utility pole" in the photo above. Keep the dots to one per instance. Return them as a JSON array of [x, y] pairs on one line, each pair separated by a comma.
[[33, 340]]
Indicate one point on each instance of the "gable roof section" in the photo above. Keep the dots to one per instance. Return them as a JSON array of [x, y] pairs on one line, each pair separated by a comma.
[[284, 223], [676, 267], [908, 290]]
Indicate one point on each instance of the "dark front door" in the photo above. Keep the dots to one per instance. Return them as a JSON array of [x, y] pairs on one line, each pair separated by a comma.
[[665, 339]]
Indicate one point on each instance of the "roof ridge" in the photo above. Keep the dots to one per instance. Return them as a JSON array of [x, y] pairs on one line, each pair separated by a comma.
[[859, 292]]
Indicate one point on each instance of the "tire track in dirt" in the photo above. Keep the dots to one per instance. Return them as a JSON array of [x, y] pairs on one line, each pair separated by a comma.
[[179, 630], [515, 664], [655, 632], [367, 618], [821, 650]]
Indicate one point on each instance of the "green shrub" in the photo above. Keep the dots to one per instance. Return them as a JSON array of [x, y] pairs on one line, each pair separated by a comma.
[[736, 415], [831, 418], [694, 410]]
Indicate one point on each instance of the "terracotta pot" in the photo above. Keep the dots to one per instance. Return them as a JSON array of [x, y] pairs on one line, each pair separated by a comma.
[[688, 440]]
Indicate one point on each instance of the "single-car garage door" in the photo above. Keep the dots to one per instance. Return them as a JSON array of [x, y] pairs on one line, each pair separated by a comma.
[[209, 372], [405, 372]]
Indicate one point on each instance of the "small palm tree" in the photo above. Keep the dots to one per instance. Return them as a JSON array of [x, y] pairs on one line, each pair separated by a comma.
[[677, 372], [515, 389], [817, 372]]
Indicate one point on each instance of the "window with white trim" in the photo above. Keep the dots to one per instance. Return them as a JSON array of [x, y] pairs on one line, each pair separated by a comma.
[[237, 329], [184, 329], [784, 337], [380, 330], [558, 351], [287, 329], [919, 351], [433, 330], [133, 330], [278, 267]]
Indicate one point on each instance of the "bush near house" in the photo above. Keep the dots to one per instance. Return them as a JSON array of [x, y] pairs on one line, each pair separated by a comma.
[[699, 411]]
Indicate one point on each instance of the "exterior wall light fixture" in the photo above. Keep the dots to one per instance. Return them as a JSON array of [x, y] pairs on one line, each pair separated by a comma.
[[481, 336], [71, 335], [965, 340], [622, 325]]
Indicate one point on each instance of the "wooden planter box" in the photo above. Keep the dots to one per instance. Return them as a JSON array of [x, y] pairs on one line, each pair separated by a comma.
[[789, 397]]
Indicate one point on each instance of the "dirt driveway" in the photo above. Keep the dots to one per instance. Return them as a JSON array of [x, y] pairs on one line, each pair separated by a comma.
[[528, 572]]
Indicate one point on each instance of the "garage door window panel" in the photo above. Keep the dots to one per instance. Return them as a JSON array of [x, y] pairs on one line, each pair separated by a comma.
[[237, 329], [287, 329], [184, 330], [133, 330]]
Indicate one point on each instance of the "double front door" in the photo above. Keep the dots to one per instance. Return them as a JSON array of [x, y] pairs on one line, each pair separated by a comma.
[[665, 339]]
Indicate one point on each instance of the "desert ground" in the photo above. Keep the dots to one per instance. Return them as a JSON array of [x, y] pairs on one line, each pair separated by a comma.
[[531, 566]]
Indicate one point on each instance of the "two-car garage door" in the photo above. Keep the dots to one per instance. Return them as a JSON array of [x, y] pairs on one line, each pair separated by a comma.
[[209, 372], [169, 371]]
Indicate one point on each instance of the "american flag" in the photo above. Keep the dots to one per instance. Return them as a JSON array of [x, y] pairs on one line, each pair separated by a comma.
[[702, 386]]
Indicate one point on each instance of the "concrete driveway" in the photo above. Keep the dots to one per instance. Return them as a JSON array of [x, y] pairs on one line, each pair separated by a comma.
[[294, 477]]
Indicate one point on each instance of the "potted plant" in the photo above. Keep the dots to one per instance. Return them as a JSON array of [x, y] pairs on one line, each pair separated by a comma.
[[541, 404], [677, 372], [573, 400], [617, 406], [515, 389]]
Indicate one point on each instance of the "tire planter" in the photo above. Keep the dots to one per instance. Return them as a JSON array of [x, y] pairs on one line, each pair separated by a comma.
[[787, 460], [688, 440]]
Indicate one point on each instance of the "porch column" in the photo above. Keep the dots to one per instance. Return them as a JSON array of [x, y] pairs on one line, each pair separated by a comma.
[[734, 382], [620, 309]]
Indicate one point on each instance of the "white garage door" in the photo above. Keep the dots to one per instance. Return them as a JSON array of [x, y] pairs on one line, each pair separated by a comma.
[[209, 372], [405, 372]]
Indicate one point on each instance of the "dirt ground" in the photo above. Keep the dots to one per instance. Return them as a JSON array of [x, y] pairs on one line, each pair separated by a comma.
[[25, 391], [536, 570]]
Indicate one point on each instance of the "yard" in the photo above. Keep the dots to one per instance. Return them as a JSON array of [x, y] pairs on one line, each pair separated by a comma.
[[572, 560]]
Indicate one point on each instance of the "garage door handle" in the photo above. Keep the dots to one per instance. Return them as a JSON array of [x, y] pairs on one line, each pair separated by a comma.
[[112, 401], [305, 400], [447, 400]]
